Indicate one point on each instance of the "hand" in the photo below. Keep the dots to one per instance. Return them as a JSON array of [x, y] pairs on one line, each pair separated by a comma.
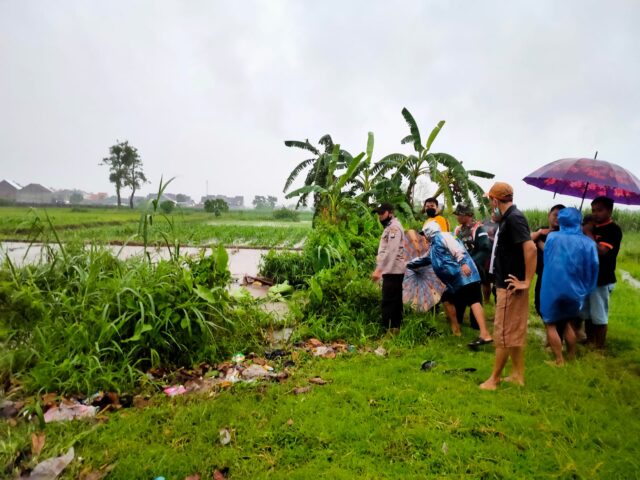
[[466, 271], [544, 231], [376, 275], [514, 284]]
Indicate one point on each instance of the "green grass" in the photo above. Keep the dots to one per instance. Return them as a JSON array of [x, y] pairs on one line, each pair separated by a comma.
[[253, 228], [385, 418]]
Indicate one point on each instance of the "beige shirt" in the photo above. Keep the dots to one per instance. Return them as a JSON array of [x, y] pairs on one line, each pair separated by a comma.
[[390, 257]]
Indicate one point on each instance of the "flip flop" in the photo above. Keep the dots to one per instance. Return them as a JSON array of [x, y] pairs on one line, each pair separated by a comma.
[[478, 342]]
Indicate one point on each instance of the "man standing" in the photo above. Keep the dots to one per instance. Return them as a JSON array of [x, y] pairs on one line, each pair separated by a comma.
[[430, 208], [476, 240], [513, 262], [608, 237], [390, 266]]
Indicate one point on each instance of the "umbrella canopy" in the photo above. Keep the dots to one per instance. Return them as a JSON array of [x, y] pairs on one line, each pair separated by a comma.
[[421, 287], [587, 178]]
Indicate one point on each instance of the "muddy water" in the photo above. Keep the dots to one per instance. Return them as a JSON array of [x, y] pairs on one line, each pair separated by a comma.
[[242, 262]]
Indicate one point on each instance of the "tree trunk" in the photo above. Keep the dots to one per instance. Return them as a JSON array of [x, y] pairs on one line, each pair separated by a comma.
[[133, 192], [118, 195]]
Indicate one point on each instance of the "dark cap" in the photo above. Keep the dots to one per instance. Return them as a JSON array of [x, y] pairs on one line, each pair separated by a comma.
[[463, 209], [383, 207]]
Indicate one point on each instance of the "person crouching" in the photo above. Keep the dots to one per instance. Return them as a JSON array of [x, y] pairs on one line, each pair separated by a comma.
[[456, 269]]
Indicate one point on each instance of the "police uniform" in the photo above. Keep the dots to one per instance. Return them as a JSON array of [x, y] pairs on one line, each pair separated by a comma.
[[392, 264]]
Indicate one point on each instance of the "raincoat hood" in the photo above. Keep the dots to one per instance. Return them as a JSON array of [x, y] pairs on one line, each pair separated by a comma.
[[570, 220], [432, 229]]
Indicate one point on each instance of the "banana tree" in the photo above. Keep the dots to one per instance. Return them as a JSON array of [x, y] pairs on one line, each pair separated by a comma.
[[334, 201], [411, 167], [455, 184], [318, 166]]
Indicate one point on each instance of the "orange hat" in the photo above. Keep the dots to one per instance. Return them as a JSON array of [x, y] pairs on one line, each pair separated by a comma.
[[501, 191]]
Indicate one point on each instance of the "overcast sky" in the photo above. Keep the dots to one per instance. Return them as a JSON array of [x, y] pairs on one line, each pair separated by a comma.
[[209, 90]]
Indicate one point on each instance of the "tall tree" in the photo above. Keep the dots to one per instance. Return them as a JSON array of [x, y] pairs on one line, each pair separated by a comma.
[[134, 177], [117, 167]]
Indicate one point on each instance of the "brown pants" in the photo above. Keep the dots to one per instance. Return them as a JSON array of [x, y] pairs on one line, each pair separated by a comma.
[[512, 315]]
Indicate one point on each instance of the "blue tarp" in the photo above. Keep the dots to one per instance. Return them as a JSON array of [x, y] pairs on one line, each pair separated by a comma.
[[570, 269]]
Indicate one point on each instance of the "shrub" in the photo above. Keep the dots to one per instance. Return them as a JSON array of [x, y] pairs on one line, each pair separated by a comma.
[[216, 206], [286, 214], [90, 321], [167, 207], [292, 267]]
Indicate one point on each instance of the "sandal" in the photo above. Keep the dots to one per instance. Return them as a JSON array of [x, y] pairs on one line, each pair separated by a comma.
[[478, 342]]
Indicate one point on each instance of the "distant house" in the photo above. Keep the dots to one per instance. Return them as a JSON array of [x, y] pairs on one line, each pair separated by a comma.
[[34, 193], [9, 190], [236, 202]]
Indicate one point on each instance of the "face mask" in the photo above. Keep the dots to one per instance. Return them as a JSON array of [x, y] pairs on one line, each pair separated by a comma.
[[431, 212], [386, 221], [496, 212]]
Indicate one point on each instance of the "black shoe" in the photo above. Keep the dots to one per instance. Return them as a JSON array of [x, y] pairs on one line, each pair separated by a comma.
[[478, 342]]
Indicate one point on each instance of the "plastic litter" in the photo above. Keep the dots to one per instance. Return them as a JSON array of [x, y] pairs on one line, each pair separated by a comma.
[[175, 390], [50, 469], [428, 364], [318, 381], [238, 357], [380, 351], [225, 436], [68, 410], [301, 390], [255, 371]]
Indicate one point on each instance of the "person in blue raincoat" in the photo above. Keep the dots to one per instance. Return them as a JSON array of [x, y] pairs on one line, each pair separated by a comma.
[[456, 269], [570, 275]]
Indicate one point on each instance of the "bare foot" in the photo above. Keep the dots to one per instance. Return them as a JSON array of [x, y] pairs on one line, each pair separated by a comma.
[[490, 384], [515, 380]]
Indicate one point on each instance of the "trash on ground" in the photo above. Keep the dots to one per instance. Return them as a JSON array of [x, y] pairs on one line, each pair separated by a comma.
[[290, 422], [50, 469], [238, 358], [272, 355], [255, 371], [225, 436], [37, 443], [318, 381], [301, 390], [69, 410], [175, 390], [380, 351], [249, 280], [195, 476], [10, 409], [277, 337], [428, 364]]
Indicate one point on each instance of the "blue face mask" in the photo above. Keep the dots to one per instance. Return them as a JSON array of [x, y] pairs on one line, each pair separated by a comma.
[[496, 212]]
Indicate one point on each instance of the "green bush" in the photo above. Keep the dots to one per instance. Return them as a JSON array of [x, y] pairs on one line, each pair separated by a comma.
[[167, 206], [90, 321], [292, 267], [286, 214]]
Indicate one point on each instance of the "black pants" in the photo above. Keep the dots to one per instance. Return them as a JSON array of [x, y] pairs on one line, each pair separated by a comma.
[[392, 300]]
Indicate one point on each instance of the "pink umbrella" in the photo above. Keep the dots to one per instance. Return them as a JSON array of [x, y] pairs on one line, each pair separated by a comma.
[[421, 287], [587, 178]]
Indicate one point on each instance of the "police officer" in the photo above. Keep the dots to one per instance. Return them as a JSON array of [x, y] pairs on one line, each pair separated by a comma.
[[390, 266]]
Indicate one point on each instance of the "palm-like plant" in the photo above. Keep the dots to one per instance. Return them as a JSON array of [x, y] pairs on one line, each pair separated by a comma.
[[333, 201], [455, 184], [412, 167], [453, 180], [318, 166]]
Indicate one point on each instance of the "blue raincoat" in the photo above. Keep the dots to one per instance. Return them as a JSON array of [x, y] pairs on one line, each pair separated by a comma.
[[570, 269], [446, 255]]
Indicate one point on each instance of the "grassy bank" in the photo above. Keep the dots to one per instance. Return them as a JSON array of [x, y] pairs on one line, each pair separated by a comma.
[[384, 418]]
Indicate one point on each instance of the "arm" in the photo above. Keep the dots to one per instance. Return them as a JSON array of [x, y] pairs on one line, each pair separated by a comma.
[[530, 261]]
